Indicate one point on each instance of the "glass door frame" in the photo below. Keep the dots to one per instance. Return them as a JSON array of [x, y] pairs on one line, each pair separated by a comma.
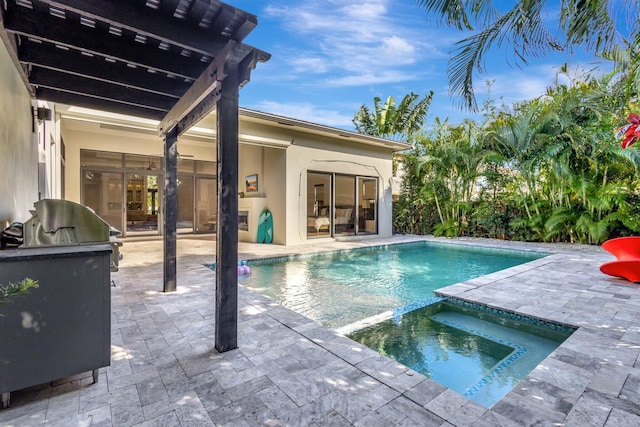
[[368, 216], [159, 217], [201, 169], [358, 212], [121, 201]]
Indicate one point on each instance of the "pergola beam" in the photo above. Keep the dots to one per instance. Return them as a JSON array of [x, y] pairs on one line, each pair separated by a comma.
[[199, 90], [69, 83], [133, 16], [204, 92], [75, 63], [103, 103], [98, 41]]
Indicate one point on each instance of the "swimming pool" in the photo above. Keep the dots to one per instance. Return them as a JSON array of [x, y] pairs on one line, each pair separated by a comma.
[[341, 288], [466, 347]]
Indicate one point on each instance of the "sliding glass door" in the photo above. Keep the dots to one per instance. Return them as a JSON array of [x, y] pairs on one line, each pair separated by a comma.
[[206, 203], [345, 200], [318, 204], [103, 193], [341, 205], [367, 197], [143, 201], [185, 204], [126, 190]]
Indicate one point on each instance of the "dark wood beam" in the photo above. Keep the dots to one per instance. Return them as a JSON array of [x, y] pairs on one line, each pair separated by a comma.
[[208, 104], [197, 99], [168, 7], [226, 310], [197, 11], [74, 62], [223, 17], [199, 90], [170, 210], [244, 28], [97, 103], [46, 78], [199, 112], [69, 33], [134, 16]]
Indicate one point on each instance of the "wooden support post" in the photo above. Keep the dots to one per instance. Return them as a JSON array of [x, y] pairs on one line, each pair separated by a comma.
[[170, 208], [226, 317]]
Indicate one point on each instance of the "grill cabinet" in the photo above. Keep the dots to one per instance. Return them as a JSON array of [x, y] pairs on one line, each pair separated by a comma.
[[63, 327]]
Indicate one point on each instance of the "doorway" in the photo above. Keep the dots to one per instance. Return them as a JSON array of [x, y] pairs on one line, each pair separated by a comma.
[[143, 201], [126, 190], [341, 205]]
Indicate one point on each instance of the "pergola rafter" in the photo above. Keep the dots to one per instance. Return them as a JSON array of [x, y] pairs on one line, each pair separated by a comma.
[[174, 61]]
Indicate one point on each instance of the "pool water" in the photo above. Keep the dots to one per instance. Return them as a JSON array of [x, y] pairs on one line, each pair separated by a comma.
[[341, 288], [473, 352]]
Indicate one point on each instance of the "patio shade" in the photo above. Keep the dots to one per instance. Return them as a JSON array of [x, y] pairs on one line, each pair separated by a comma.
[[134, 57], [170, 60]]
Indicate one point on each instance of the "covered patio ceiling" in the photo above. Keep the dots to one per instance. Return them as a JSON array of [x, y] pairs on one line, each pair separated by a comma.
[[170, 60], [134, 57]]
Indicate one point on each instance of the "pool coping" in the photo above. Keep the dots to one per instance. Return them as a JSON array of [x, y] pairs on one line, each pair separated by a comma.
[[589, 378]]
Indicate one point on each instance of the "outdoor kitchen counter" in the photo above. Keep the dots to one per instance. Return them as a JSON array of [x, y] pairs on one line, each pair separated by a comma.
[[61, 328], [51, 252]]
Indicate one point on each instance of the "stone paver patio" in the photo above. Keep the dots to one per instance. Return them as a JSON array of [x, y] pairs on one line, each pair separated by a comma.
[[289, 370]]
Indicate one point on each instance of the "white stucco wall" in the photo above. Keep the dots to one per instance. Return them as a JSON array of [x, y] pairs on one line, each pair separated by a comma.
[[19, 158], [313, 152], [282, 171], [344, 158], [269, 164]]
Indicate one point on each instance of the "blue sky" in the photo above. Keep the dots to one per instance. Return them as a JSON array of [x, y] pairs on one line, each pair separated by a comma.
[[329, 57]]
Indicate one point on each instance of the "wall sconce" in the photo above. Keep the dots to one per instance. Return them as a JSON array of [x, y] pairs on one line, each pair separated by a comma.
[[41, 114], [44, 113]]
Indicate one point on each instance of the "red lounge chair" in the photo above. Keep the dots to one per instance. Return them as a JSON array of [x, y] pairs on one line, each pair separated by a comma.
[[627, 252]]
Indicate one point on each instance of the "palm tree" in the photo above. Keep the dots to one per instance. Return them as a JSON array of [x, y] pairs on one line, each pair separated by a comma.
[[522, 139], [593, 23], [388, 121], [451, 167]]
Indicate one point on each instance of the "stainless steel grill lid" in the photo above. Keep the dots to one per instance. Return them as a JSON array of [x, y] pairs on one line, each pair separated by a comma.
[[59, 222], [63, 222]]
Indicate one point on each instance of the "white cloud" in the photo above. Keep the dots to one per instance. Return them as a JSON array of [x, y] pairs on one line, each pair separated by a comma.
[[370, 78], [353, 40], [515, 85], [312, 64], [396, 47]]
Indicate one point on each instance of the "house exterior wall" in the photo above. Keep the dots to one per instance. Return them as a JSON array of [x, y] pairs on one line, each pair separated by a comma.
[[275, 161], [313, 152], [19, 159], [269, 164], [335, 157], [90, 136], [281, 167]]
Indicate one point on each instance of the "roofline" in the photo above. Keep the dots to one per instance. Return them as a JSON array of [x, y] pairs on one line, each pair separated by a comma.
[[104, 117], [325, 130]]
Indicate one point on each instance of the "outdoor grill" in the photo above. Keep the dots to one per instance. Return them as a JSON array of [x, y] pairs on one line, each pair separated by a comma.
[[63, 327], [62, 222]]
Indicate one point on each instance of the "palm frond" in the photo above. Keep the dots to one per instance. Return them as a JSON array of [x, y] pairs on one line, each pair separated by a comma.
[[522, 27]]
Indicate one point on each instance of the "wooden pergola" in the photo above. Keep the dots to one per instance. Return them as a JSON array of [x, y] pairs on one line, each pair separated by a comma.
[[174, 61]]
